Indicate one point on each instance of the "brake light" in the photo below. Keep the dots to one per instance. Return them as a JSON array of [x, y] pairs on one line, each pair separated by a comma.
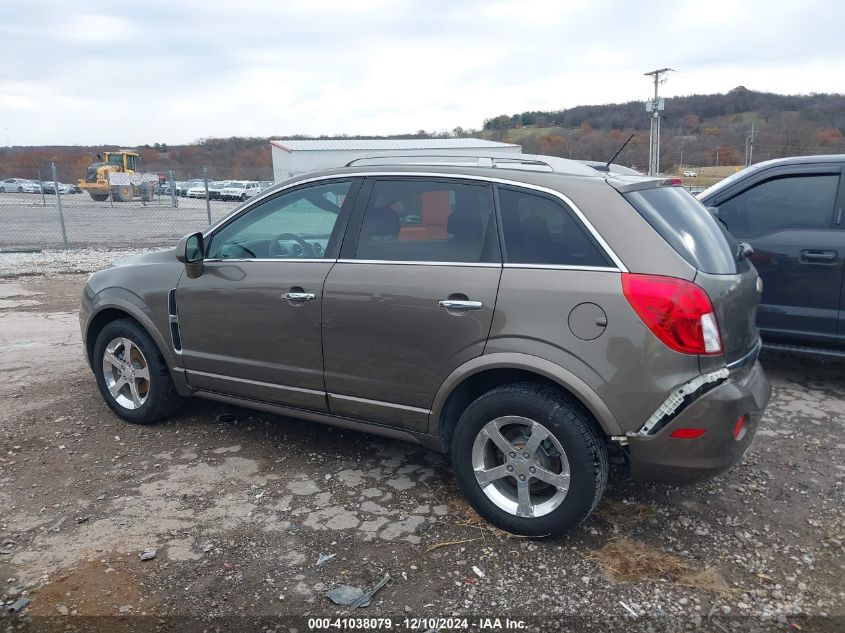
[[676, 311]]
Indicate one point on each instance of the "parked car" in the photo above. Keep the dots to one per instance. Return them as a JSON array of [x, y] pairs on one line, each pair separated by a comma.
[[197, 191], [182, 187], [216, 188], [240, 190], [790, 211], [48, 186], [689, 173], [612, 313], [265, 184], [19, 185]]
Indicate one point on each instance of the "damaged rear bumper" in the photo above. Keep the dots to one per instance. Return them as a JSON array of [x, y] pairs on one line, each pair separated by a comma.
[[661, 457]]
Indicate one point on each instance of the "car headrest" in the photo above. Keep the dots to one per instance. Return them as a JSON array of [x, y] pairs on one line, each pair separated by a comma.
[[464, 222], [380, 222]]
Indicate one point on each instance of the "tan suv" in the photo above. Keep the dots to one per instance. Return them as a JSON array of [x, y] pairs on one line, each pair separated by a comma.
[[519, 313]]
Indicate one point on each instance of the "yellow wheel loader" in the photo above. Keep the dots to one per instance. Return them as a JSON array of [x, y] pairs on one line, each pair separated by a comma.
[[96, 181]]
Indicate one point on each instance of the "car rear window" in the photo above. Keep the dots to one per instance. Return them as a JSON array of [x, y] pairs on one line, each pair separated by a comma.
[[688, 227]]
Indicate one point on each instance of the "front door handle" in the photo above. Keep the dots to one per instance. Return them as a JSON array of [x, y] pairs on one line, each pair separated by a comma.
[[818, 257], [458, 304], [299, 296]]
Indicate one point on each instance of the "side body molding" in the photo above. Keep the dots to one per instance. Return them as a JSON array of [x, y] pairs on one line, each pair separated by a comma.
[[526, 362]]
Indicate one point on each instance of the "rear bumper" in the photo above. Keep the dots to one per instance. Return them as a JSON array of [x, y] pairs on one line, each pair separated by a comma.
[[684, 461]]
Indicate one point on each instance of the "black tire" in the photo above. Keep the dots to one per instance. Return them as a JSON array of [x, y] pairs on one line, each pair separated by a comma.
[[571, 424], [20, 189], [243, 197], [161, 398]]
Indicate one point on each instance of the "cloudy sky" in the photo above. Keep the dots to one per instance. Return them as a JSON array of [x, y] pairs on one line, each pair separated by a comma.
[[134, 72]]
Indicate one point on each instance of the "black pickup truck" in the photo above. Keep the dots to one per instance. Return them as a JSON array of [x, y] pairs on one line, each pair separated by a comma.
[[790, 211]]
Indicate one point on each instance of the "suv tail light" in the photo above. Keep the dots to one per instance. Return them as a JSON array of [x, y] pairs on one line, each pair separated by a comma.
[[677, 312]]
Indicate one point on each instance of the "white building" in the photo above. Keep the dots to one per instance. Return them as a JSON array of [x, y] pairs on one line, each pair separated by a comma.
[[295, 157]]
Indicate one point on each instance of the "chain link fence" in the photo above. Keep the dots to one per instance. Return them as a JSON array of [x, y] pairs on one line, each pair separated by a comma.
[[45, 207]]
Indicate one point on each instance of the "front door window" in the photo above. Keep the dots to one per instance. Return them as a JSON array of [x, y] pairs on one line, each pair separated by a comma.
[[296, 225]]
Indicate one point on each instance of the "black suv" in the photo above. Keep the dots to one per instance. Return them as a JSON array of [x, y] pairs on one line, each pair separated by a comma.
[[790, 211]]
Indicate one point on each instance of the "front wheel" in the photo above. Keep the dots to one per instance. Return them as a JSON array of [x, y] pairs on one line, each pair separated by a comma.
[[530, 459], [132, 375]]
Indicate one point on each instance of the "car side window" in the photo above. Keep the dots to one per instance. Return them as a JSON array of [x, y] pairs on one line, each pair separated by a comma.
[[428, 220], [787, 203], [296, 225], [539, 229]]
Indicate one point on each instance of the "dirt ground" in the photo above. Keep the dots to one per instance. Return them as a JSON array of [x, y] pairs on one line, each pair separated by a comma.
[[241, 512]]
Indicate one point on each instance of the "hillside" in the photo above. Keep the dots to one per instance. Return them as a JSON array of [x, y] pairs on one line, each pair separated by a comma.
[[696, 130]]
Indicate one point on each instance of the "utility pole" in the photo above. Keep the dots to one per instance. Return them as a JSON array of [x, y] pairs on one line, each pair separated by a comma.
[[749, 145], [654, 108]]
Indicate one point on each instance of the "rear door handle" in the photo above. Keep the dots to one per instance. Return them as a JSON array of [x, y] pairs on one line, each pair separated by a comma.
[[458, 304], [299, 296], [818, 257]]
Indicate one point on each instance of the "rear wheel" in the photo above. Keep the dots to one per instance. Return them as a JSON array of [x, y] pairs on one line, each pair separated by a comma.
[[530, 459], [132, 375]]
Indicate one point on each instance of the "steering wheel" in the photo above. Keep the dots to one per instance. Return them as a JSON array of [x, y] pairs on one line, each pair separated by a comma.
[[276, 247]]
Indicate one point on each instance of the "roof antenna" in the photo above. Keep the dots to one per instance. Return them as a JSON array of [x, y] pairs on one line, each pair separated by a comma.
[[619, 151]]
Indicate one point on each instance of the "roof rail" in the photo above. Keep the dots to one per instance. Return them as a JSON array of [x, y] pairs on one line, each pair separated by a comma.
[[473, 160], [502, 161]]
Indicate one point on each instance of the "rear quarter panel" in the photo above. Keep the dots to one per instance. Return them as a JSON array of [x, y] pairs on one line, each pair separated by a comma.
[[626, 365]]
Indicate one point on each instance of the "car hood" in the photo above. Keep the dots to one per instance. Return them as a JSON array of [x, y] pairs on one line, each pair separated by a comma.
[[157, 257]]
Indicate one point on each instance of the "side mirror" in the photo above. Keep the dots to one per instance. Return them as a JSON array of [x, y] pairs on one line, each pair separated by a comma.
[[190, 249]]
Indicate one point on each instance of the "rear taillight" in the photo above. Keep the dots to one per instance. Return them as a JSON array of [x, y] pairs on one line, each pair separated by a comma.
[[677, 312]]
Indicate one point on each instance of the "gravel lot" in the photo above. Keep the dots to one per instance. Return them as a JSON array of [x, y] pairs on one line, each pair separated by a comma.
[[240, 512], [27, 223]]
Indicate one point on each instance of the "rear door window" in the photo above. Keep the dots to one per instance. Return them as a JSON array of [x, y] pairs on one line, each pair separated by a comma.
[[782, 204], [688, 227], [542, 230], [429, 221]]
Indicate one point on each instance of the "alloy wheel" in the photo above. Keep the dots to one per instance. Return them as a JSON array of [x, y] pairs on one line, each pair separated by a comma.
[[520, 466], [126, 373]]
